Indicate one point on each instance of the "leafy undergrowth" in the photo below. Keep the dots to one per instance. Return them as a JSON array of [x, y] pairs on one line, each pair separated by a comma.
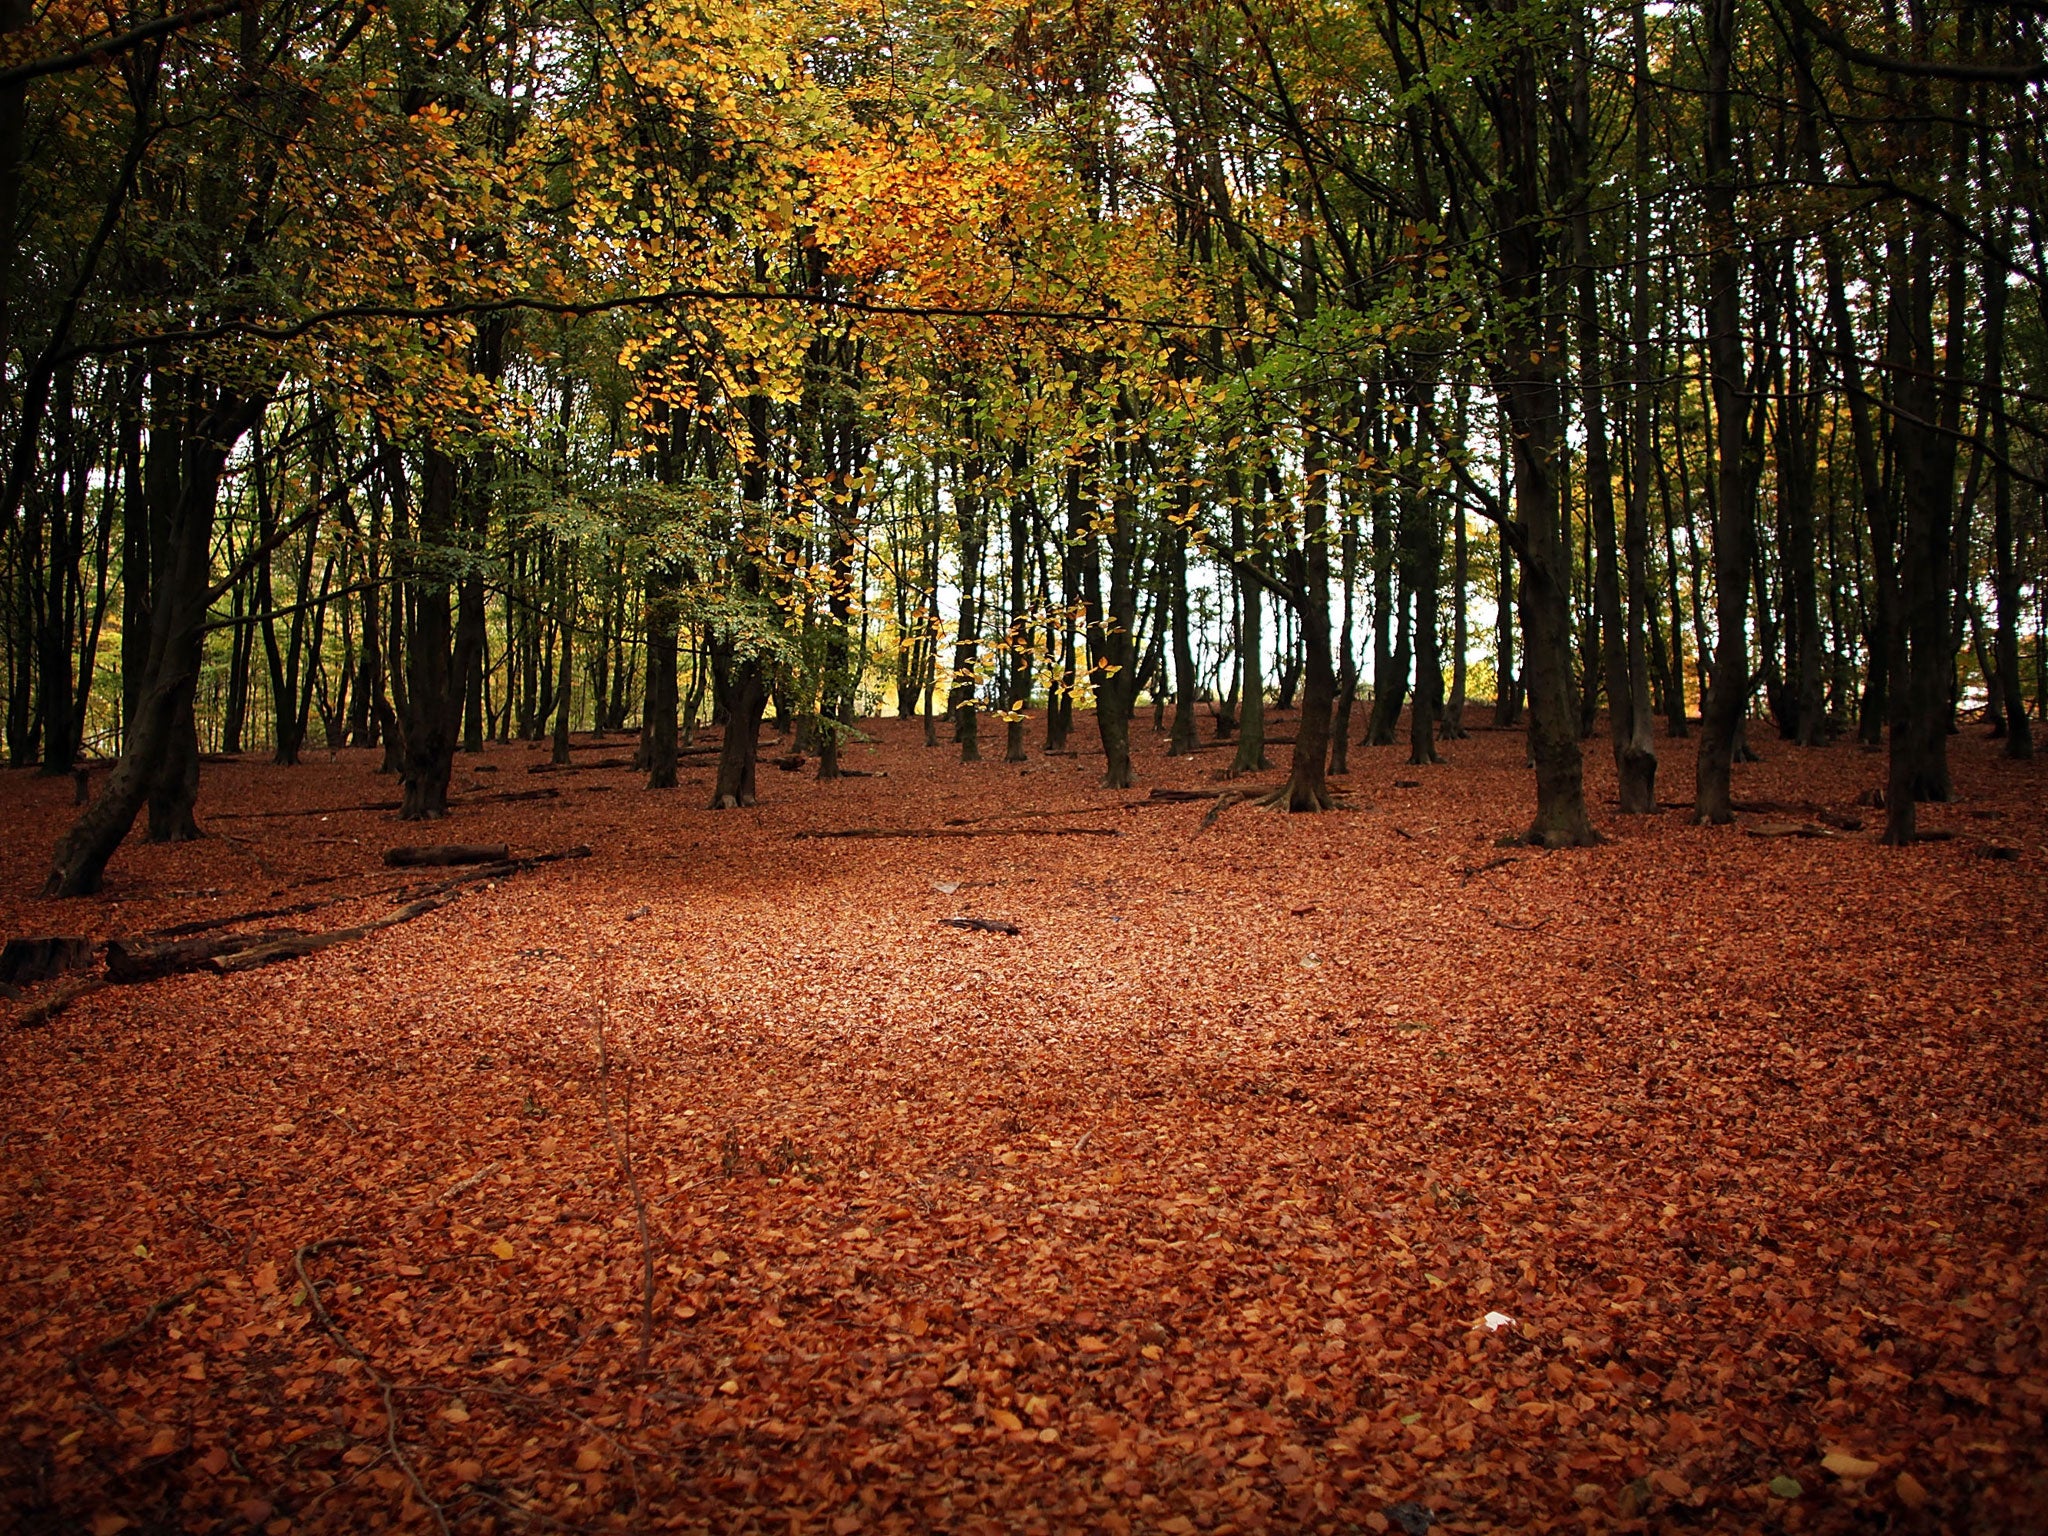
[[1182, 1209]]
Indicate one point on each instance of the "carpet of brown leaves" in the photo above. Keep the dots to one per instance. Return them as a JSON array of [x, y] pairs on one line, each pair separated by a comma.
[[1182, 1210]]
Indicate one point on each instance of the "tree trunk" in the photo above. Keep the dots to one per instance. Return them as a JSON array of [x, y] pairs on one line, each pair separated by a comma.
[[565, 676], [1533, 400], [1926, 455], [960, 698], [1116, 681], [1307, 787], [1175, 551], [2005, 581], [160, 728], [1250, 756], [432, 661], [1728, 700]]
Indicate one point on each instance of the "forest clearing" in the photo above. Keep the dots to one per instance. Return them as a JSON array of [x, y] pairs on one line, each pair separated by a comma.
[[1183, 1208], [1051, 766]]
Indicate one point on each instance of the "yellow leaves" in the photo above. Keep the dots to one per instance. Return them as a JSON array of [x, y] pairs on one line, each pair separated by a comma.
[[502, 1249], [1003, 1419], [1845, 1465]]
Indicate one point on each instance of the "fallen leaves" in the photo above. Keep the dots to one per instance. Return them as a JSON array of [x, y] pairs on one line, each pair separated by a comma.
[[1731, 1173]]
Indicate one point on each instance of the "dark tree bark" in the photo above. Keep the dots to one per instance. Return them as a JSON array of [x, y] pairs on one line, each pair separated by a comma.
[[1250, 756], [1175, 552], [1877, 505], [960, 698], [1307, 787], [1116, 671], [160, 744], [428, 751], [1533, 400], [1924, 444], [1453, 726], [1023, 521], [565, 674], [1728, 699], [746, 690], [1347, 663], [2005, 580]]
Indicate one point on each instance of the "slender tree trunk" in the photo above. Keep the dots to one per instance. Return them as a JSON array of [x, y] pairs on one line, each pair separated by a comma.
[[1023, 522], [433, 661], [1728, 700], [565, 677], [161, 722], [1250, 756], [2005, 581], [1116, 681], [1533, 400], [1347, 665], [1175, 551], [1426, 566], [1923, 654], [746, 692], [1307, 787]]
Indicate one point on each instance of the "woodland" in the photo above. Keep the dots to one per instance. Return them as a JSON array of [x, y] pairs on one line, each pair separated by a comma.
[[1157, 766]]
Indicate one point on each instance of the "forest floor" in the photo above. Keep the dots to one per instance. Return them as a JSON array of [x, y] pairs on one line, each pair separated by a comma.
[[1182, 1209]]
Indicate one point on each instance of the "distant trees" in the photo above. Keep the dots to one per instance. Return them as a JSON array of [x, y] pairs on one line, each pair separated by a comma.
[[421, 376]]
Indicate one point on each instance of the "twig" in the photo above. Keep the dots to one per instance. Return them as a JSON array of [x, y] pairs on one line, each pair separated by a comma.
[[326, 1320], [1074, 810], [540, 1404], [136, 1329], [1501, 922], [1504, 860], [463, 1186]]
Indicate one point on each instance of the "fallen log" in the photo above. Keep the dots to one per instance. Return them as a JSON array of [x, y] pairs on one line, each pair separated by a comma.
[[43, 956], [260, 915], [982, 925], [1177, 796], [601, 763], [415, 856], [308, 810], [483, 872], [1786, 829], [130, 961], [288, 946]]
